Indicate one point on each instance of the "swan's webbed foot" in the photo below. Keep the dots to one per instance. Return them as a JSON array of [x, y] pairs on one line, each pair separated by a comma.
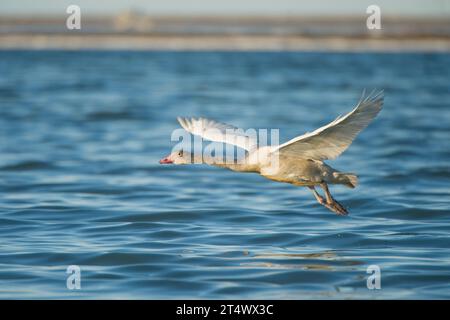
[[336, 207], [329, 202]]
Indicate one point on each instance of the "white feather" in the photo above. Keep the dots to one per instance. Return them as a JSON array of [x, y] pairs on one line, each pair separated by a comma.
[[329, 141], [218, 132]]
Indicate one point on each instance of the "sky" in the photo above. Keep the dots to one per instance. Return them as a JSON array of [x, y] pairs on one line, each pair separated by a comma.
[[426, 8]]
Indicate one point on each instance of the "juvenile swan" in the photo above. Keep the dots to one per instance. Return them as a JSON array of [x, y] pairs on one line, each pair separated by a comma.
[[298, 161]]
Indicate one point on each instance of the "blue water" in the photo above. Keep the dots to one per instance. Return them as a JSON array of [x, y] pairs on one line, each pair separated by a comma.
[[81, 134]]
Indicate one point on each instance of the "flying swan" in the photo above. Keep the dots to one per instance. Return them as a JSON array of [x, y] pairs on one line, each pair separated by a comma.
[[298, 161]]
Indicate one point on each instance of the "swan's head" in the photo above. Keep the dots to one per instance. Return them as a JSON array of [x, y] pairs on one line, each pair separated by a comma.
[[177, 157]]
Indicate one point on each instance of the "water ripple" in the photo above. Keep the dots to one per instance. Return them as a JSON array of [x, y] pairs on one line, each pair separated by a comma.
[[80, 182]]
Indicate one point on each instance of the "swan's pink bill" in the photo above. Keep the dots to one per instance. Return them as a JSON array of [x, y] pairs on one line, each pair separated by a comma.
[[165, 161]]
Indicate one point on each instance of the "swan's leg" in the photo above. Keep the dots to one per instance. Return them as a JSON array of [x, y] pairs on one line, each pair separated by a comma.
[[319, 198], [332, 204]]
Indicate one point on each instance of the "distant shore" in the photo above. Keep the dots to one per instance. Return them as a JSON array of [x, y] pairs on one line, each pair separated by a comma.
[[134, 31], [220, 42]]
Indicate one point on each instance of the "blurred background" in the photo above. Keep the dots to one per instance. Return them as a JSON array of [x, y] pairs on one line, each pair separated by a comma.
[[227, 25], [85, 115]]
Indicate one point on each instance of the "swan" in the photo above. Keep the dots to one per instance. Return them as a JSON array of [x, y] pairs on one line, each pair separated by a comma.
[[300, 161]]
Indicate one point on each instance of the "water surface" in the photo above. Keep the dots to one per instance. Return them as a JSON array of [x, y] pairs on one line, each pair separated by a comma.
[[81, 134]]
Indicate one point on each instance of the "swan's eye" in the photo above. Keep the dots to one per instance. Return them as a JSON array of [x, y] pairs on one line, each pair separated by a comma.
[[180, 153]]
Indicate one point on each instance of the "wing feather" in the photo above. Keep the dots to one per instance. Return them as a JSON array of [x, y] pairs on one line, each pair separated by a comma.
[[219, 132], [329, 141]]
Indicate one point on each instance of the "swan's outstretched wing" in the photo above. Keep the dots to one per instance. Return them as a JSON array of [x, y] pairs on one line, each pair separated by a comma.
[[331, 140], [218, 132]]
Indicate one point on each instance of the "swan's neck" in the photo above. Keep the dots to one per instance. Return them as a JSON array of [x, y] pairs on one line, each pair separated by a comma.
[[241, 166]]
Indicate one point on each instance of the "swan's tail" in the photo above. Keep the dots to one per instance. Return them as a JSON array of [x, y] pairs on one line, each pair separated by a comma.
[[348, 179]]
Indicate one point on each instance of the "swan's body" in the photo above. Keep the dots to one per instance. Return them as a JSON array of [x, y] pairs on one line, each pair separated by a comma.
[[298, 161]]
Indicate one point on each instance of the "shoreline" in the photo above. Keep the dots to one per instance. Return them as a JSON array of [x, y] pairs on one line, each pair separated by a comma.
[[222, 42]]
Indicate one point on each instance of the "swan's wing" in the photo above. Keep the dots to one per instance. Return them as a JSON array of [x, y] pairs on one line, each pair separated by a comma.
[[218, 132], [331, 140]]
